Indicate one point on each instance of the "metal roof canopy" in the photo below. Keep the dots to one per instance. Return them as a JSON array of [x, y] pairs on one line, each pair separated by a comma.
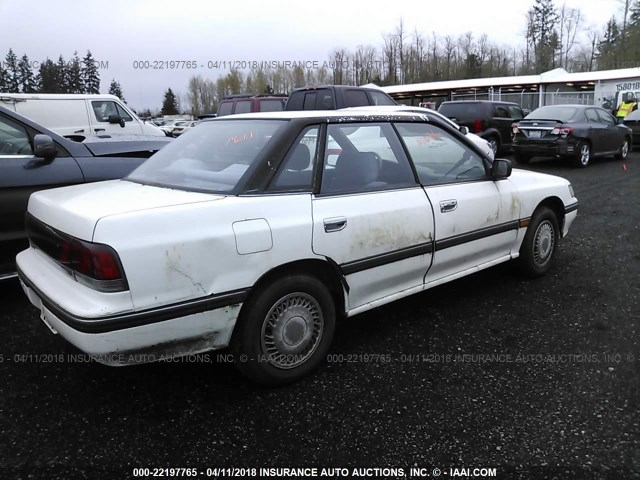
[[559, 75]]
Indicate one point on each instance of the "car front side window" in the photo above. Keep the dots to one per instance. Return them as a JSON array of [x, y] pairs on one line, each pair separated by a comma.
[[369, 157], [438, 156], [102, 110], [14, 139]]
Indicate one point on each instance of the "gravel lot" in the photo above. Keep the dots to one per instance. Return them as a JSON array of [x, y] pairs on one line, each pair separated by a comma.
[[539, 379]]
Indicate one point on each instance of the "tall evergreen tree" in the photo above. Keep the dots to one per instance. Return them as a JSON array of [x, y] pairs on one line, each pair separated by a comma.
[[26, 78], [116, 89], [170, 104], [542, 30], [11, 72], [48, 77], [608, 48], [90, 74], [3, 80], [74, 75], [62, 79]]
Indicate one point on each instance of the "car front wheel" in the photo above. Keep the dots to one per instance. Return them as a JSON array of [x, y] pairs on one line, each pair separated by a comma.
[[624, 150], [285, 330], [540, 243], [583, 157]]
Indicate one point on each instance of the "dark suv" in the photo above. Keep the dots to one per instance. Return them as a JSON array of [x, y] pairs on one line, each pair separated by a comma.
[[333, 97], [490, 120], [245, 103]]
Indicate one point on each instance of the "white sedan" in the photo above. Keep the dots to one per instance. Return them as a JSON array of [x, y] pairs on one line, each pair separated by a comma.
[[257, 231]]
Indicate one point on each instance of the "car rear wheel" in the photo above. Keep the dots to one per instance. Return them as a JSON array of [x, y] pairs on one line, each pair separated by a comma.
[[520, 158], [285, 331], [624, 150], [583, 157], [540, 243]]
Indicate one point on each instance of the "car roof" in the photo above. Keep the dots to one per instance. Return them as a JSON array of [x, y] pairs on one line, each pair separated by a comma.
[[494, 102], [328, 115]]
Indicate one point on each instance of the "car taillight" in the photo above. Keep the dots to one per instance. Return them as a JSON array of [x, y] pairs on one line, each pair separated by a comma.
[[93, 264], [477, 126], [564, 131], [515, 128]]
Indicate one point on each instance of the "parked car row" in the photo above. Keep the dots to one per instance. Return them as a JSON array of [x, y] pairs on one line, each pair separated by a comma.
[[574, 132]]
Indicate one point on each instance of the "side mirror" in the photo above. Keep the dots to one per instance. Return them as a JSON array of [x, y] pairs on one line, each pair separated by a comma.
[[464, 130], [115, 118], [500, 169], [43, 147]]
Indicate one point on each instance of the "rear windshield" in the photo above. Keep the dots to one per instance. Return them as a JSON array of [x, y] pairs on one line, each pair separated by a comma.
[[553, 112], [211, 158], [462, 110]]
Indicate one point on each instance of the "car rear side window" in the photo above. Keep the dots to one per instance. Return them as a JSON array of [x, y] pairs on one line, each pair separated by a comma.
[[310, 101], [515, 112], [592, 116], [243, 106], [225, 108], [501, 112], [379, 98], [271, 105], [296, 172], [355, 98], [14, 139], [438, 156]]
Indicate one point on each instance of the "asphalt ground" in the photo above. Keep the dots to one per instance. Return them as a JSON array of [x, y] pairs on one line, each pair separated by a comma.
[[537, 379]]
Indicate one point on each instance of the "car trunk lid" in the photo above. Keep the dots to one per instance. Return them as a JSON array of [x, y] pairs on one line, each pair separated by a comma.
[[75, 210]]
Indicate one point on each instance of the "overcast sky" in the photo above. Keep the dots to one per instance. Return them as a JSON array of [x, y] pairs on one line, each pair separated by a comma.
[[123, 31]]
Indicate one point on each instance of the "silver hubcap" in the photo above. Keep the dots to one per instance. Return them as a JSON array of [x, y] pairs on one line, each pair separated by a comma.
[[292, 330], [625, 149], [543, 243], [584, 154]]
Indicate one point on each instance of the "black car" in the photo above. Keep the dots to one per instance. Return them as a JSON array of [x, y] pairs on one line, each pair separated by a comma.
[[575, 132], [488, 119], [334, 97], [633, 122], [34, 158]]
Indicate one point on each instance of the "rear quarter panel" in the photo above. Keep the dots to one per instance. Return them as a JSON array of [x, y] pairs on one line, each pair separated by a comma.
[[190, 251]]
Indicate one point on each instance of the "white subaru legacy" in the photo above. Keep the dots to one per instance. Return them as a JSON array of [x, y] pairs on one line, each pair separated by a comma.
[[257, 231]]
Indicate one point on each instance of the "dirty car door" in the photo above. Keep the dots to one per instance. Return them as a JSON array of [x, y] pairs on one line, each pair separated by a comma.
[[476, 219], [370, 216]]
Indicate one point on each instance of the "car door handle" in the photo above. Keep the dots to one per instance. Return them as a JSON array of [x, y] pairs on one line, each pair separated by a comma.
[[448, 206], [98, 130], [334, 224], [79, 131]]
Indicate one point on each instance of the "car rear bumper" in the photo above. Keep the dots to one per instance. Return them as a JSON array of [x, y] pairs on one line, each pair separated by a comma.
[[545, 148], [128, 337]]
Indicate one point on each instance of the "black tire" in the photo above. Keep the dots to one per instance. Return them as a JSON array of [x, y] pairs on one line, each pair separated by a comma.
[[624, 150], [537, 252], [582, 159], [520, 158], [296, 308]]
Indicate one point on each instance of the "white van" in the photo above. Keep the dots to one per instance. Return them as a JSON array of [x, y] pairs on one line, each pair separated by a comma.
[[79, 114]]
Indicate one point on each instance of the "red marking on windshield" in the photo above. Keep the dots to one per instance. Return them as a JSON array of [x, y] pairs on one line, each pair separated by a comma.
[[240, 138]]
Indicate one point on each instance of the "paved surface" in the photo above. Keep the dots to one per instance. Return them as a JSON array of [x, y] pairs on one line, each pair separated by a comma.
[[550, 377]]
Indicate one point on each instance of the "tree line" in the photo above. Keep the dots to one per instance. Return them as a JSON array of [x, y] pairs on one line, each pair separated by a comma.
[[20, 75]]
